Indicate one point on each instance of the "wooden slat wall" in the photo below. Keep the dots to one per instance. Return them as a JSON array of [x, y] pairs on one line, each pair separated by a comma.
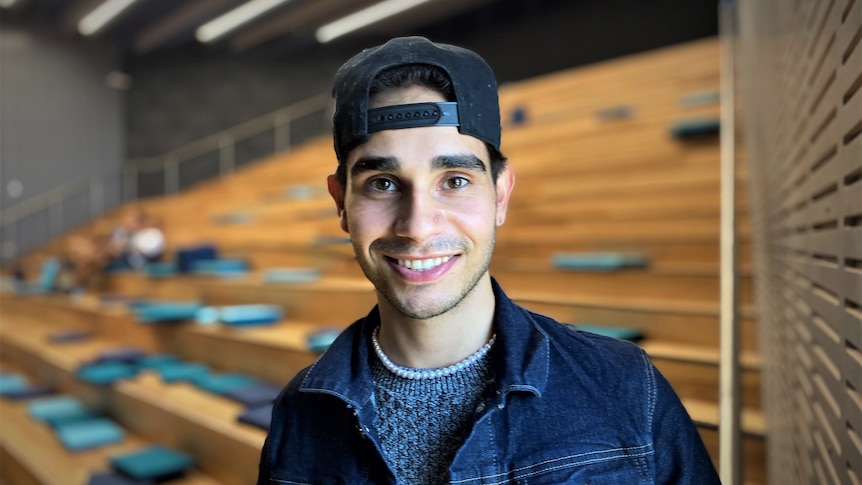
[[800, 72]]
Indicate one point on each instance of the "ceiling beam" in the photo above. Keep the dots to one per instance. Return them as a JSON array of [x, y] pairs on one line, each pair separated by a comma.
[[191, 14]]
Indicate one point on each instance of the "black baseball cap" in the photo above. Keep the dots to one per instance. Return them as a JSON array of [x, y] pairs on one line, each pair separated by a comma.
[[475, 111]]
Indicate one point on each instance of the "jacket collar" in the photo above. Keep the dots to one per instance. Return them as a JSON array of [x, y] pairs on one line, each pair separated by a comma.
[[520, 357]]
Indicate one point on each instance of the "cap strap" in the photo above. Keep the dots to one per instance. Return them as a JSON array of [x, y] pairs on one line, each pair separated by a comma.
[[412, 116]]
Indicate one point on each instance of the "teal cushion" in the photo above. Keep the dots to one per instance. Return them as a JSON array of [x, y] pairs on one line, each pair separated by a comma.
[[106, 372], [12, 382], [222, 383], [154, 463], [621, 333], [166, 311], [598, 261], [46, 408], [182, 371], [154, 361], [87, 434], [241, 315]]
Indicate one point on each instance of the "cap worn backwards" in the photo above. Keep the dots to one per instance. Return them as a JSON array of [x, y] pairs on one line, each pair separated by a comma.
[[476, 110]]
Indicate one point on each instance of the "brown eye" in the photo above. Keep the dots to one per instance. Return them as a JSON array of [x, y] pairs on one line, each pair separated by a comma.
[[383, 185], [456, 183]]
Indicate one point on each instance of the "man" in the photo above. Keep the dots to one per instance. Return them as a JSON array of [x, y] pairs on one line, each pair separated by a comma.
[[447, 380]]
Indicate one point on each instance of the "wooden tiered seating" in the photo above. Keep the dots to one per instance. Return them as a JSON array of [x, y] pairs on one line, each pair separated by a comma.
[[585, 184]]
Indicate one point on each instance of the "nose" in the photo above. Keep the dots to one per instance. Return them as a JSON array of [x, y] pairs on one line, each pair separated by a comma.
[[420, 217]]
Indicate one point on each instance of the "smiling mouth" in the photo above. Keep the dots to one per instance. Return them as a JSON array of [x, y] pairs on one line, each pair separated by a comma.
[[421, 264]]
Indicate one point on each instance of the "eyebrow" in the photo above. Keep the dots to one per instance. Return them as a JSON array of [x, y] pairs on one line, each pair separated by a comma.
[[440, 162]]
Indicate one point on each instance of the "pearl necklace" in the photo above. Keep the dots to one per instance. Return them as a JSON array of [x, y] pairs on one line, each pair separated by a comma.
[[410, 373]]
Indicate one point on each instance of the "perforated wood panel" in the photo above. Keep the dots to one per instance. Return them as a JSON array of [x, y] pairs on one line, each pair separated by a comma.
[[800, 73]]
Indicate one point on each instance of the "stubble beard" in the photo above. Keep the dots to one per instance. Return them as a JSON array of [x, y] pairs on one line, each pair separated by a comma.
[[407, 307]]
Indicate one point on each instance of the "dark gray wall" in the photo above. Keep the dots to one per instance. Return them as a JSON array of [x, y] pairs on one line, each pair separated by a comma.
[[59, 122], [188, 94]]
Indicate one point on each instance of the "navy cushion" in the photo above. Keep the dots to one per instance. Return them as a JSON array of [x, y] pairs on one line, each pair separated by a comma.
[[127, 355], [259, 416], [68, 336], [188, 255], [87, 434], [254, 395], [153, 463], [29, 392]]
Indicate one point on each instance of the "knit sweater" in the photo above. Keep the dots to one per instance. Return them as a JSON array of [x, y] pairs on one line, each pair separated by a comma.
[[423, 422]]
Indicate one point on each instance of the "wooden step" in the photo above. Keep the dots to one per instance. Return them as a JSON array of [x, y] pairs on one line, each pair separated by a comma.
[[32, 454]]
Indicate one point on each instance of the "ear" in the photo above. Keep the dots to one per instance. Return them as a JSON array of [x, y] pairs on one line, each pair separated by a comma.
[[336, 190], [505, 184]]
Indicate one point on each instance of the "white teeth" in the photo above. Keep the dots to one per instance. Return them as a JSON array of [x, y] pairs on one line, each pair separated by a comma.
[[422, 264]]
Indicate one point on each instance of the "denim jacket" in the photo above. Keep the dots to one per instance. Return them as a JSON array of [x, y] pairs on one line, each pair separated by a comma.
[[567, 407]]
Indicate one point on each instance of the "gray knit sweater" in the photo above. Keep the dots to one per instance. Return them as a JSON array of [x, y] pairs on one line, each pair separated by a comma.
[[423, 422]]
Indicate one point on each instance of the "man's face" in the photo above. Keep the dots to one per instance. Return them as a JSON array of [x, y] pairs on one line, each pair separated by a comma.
[[421, 208]]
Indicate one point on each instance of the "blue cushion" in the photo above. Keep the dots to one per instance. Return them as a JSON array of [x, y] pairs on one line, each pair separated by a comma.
[[104, 373], [50, 271], [154, 361], [598, 261], [46, 408], [254, 395], [167, 311], [221, 383], [220, 267], [111, 478], [181, 371], [29, 393], [160, 269], [72, 417], [68, 336], [695, 128], [321, 340], [126, 355], [623, 333], [12, 382], [91, 433], [153, 463], [240, 315], [290, 275], [260, 416], [188, 255]]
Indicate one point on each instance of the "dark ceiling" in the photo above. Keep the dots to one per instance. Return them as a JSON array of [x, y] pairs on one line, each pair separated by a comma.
[[156, 26]]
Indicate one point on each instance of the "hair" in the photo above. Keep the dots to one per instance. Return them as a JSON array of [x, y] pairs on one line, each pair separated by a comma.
[[431, 77]]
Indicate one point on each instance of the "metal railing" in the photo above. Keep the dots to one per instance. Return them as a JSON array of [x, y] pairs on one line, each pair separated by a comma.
[[221, 148]]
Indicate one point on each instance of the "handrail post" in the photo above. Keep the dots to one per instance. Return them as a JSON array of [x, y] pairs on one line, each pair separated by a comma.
[[10, 245], [97, 196], [730, 439], [281, 131], [130, 182], [55, 217], [226, 154], [171, 169]]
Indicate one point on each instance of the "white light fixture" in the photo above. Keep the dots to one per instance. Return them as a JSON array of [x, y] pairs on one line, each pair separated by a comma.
[[232, 20], [101, 15], [368, 16], [7, 3]]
